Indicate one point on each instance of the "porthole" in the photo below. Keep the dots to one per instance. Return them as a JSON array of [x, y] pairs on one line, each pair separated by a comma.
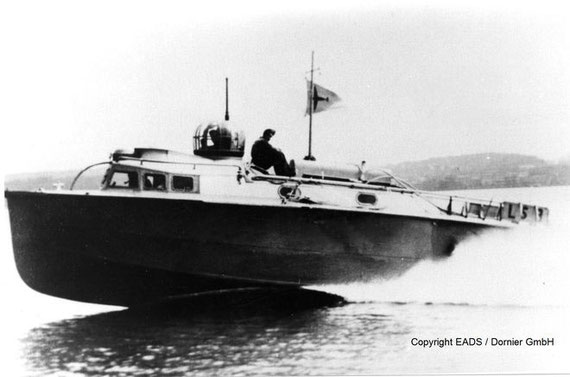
[[366, 198]]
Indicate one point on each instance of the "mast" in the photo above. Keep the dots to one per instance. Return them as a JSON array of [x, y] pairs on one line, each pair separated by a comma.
[[227, 117], [310, 157]]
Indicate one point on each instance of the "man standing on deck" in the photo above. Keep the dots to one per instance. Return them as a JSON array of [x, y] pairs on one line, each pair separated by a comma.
[[265, 156]]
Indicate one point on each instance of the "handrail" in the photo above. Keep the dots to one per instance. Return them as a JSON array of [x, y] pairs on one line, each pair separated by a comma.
[[410, 186], [148, 160], [84, 170], [350, 184], [398, 180], [141, 160]]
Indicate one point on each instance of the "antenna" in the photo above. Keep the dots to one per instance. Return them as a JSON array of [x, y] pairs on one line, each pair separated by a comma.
[[227, 111]]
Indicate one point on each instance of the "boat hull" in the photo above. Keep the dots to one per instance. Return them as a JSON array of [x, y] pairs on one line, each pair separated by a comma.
[[126, 251]]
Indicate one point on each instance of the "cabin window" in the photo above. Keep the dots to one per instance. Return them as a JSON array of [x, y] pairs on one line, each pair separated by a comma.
[[123, 179], [154, 182], [365, 198], [185, 184]]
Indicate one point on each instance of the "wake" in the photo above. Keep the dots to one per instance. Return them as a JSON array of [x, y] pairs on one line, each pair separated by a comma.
[[526, 266]]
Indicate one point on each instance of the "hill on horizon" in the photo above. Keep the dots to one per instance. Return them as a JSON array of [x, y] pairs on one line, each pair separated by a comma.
[[482, 170]]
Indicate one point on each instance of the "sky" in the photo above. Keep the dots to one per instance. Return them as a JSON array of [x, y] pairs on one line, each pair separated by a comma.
[[417, 79]]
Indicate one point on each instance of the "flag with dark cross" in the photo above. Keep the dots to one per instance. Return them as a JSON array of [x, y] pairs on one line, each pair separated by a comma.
[[320, 99]]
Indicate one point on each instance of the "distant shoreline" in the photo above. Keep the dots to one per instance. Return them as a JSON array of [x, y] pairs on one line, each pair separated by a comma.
[[466, 172]]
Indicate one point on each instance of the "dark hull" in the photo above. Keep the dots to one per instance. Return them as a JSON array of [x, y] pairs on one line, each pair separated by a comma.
[[127, 250]]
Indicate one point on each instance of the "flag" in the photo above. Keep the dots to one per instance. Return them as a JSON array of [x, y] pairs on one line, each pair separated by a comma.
[[321, 98]]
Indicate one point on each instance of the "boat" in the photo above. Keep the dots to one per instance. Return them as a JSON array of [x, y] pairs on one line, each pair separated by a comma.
[[168, 224]]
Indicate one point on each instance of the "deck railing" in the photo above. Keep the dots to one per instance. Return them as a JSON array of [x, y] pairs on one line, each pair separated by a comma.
[[453, 205]]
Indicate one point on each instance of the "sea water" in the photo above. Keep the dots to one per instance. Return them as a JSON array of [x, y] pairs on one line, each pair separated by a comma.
[[499, 304]]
